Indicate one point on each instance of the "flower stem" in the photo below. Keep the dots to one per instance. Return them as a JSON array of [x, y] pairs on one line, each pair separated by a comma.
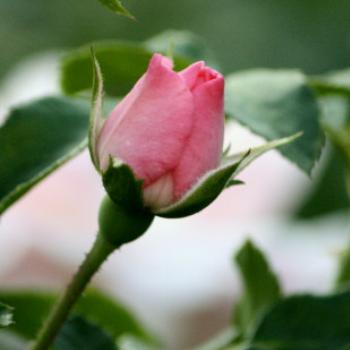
[[94, 259]]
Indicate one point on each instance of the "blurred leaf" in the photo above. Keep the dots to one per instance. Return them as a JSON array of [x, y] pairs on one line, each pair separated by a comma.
[[181, 43], [261, 288], [333, 83], [275, 104], [122, 64], [32, 308], [305, 322], [10, 341], [36, 139], [117, 7], [6, 314], [78, 333], [329, 191]]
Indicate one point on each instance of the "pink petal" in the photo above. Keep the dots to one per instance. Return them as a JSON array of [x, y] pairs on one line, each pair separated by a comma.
[[149, 128], [203, 149]]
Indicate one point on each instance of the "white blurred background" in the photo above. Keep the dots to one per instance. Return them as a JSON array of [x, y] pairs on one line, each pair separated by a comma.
[[179, 278]]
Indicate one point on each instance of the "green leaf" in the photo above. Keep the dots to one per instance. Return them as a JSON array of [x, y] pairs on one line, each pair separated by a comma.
[[117, 7], [261, 288], [275, 104], [36, 139], [6, 314], [122, 64], [305, 322], [32, 308], [122, 187], [78, 333]]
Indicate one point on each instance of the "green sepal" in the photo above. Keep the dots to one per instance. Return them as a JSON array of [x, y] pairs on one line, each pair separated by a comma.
[[122, 186], [213, 183], [119, 225], [123, 216], [96, 114], [203, 193]]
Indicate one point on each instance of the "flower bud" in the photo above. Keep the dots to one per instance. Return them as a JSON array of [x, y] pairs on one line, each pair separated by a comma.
[[168, 129]]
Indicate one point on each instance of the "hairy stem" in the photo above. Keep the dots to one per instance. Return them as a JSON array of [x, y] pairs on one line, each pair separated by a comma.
[[93, 260]]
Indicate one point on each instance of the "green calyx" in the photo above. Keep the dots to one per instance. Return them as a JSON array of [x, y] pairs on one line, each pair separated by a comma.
[[119, 225]]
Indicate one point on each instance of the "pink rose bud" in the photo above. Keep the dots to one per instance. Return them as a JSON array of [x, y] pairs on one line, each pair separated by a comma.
[[168, 129]]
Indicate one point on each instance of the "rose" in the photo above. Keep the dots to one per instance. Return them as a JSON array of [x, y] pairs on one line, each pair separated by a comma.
[[168, 129]]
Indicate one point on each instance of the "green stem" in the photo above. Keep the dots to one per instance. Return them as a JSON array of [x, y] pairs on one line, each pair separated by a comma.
[[94, 259]]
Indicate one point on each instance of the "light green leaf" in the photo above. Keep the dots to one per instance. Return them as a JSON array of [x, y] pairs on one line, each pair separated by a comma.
[[275, 104], [36, 139], [117, 7], [122, 64], [305, 322], [6, 315], [261, 288], [78, 333]]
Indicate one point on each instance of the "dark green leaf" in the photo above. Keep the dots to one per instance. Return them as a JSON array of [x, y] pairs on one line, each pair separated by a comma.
[[122, 187], [275, 104], [78, 333], [117, 7], [122, 64], [32, 308], [6, 314], [306, 322], [37, 138], [261, 287]]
